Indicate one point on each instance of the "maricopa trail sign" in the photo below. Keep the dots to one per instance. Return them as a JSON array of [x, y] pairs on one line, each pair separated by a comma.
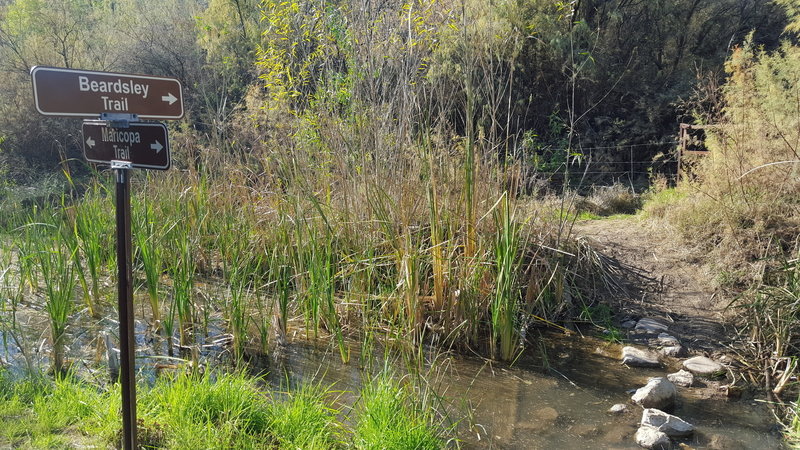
[[85, 93], [144, 145]]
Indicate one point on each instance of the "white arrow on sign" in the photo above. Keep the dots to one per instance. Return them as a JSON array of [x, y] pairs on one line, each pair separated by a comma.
[[90, 142], [157, 146], [169, 98]]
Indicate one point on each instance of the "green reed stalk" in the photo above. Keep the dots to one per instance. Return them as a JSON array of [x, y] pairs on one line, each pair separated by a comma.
[[27, 244], [264, 322], [505, 305], [7, 291], [182, 273], [91, 228], [242, 284], [58, 273], [168, 325], [150, 253], [408, 258], [237, 313], [303, 256], [283, 284]]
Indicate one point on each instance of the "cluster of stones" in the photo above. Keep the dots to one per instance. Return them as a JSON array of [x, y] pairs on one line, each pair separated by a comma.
[[657, 429]]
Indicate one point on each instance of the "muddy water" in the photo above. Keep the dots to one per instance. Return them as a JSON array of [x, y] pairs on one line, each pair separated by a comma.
[[555, 396]]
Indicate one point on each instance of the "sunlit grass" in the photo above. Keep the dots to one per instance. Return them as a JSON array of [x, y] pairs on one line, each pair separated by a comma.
[[387, 416], [215, 410]]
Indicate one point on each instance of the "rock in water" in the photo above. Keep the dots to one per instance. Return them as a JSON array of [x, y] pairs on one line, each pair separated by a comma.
[[649, 437], [682, 378], [541, 419], [700, 365], [619, 408], [658, 393], [719, 442], [675, 351], [651, 326], [672, 426], [634, 357], [668, 340]]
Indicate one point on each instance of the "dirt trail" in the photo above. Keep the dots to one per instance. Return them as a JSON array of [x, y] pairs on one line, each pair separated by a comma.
[[678, 288]]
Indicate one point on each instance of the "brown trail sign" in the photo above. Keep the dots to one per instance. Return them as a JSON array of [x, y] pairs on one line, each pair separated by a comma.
[[84, 93], [144, 145]]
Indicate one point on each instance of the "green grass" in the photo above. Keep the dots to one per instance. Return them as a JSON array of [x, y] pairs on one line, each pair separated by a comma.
[[305, 420], [212, 411], [208, 411], [657, 203], [388, 416]]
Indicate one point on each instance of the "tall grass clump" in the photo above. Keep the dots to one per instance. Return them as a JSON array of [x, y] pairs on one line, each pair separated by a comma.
[[40, 412], [367, 200], [241, 289], [505, 305], [304, 419], [182, 272], [388, 416], [148, 236], [215, 410], [57, 267], [92, 226]]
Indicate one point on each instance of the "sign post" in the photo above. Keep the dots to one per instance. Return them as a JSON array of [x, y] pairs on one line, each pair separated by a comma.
[[125, 303], [119, 101]]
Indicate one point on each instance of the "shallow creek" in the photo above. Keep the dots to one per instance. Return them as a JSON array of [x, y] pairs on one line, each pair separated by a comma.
[[562, 406], [556, 395]]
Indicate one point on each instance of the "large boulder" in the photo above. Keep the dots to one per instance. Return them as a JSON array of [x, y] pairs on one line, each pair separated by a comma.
[[672, 426], [700, 365], [649, 437], [658, 393], [634, 357], [682, 378]]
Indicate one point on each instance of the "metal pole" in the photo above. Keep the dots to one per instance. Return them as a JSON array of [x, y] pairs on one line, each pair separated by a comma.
[[125, 307]]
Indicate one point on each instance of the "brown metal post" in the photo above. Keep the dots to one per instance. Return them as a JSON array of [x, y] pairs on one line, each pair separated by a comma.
[[125, 304]]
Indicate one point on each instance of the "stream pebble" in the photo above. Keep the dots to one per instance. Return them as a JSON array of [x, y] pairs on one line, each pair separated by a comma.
[[703, 366], [634, 357], [668, 340], [659, 393], [619, 408], [682, 378], [672, 426], [651, 326], [674, 351], [649, 437]]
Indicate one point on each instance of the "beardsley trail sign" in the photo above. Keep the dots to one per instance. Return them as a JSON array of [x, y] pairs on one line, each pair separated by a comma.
[[85, 93]]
